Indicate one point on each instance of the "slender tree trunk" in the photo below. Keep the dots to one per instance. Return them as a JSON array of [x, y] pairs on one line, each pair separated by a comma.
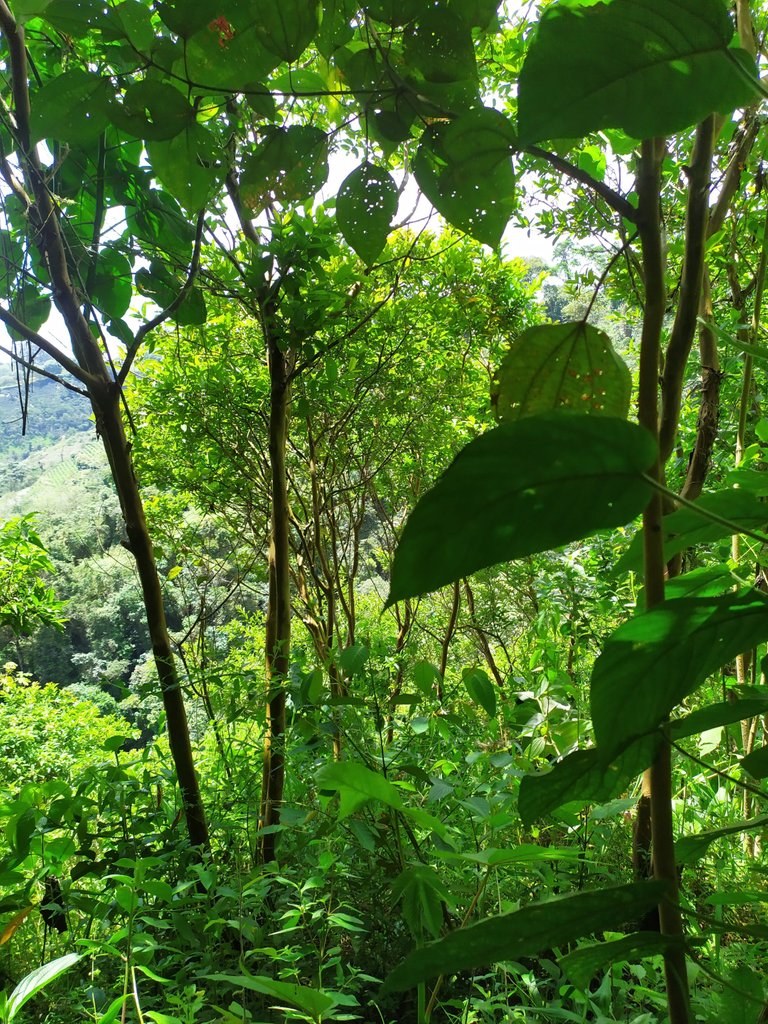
[[709, 403], [278, 629], [660, 775], [140, 545], [90, 368]]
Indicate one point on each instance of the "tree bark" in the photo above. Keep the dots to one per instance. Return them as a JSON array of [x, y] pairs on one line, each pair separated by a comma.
[[278, 628], [90, 368]]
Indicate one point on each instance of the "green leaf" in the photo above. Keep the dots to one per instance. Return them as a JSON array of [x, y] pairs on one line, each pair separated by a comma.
[[585, 776], [76, 17], [480, 689], [356, 785], [36, 980], [291, 164], [689, 849], [756, 763], [72, 108], [526, 932], [648, 67], [309, 1000], [134, 21], [583, 964], [503, 496], [427, 677], [439, 46], [686, 528], [112, 288], [229, 55], [186, 165], [523, 854], [649, 664], [552, 366], [464, 169], [422, 895], [717, 715], [288, 27], [365, 206], [158, 284], [152, 110]]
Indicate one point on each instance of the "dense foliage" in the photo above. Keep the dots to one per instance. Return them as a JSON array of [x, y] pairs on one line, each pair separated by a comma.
[[344, 679]]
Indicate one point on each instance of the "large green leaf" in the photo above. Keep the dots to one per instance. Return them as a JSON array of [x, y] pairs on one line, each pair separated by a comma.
[[186, 165], [524, 487], [526, 932], [686, 527], [310, 1000], [649, 664], [36, 980], [716, 715], [290, 164], [365, 206], [439, 46], [756, 763], [72, 108], [583, 964], [152, 110], [585, 776], [480, 689], [222, 55], [649, 67], [464, 169], [356, 785], [112, 288], [288, 27], [571, 366], [688, 849]]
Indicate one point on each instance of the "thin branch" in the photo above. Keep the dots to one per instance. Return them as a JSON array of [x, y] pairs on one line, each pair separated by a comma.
[[171, 308], [47, 346], [616, 201], [43, 373], [740, 783], [684, 327]]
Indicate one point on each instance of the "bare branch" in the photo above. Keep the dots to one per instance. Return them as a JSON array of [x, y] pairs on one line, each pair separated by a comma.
[[616, 201], [43, 373], [47, 346]]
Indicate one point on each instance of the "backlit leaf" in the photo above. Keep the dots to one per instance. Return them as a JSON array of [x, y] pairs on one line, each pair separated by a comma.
[[552, 366], [356, 785], [480, 690], [648, 67], [465, 170], [366, 204]]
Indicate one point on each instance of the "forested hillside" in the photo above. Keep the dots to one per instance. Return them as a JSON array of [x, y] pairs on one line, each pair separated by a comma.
[[383, 608]]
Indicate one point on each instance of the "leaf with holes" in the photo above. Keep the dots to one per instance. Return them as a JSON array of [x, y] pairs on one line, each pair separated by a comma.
[[290, 164], [465, 170], [552, 366], [365, 206]]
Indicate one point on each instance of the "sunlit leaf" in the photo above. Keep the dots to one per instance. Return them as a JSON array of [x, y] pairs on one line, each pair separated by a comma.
[[526, 932], [503, 496]]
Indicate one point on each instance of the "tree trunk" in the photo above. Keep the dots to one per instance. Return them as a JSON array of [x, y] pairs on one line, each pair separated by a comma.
[[90, 368], [278, 628]]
